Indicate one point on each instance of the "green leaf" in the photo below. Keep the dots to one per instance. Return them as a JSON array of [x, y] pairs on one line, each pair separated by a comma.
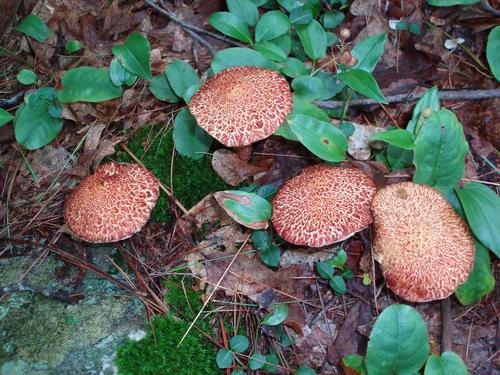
[[290, 5], [368, 51], [482, 210], [245, 10], [362, 82], [449, 3], [33, 26], [261, 239], [229, 24], [301, 16], [190, 92], [332, 18], [88, 84], [307, 87], [440, 149], [190, 140], [356, 362], [256, 361], [429, 100], [399, 158], [33, 125], [320, 137], [272, 363], [230, 57], [271, 256], [415, 29], [270, 50], [5, 117], [73, 46], [398, 342], [181, 76], [446, 364], [238, 372], [304, 107], [161, 89], [313, 38], [119, 75], [224, 358], [239, 343], [26, 77], [305, 371], [325, 270], [480, 281], [247, 209], [287, 133], [331, 85], [134, 55], [271, 25], [493, 51], [338, 285], [340, 259], [397, 137], [277, 316], [293, 68]]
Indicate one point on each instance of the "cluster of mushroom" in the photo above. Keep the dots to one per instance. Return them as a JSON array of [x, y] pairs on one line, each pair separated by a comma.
[[423, 246]]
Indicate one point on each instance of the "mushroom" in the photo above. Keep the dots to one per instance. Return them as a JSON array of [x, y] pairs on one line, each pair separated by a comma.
[[324, 204], [242, 105], [112, 204], [425, 249]]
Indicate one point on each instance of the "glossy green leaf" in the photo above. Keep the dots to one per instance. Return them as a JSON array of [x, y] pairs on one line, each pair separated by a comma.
[[397, 137], [325, 270], [493, 51], [181, 76], [415, 29], [362, 82], [224, 358], [190, 92], [5, 117], [270, 50], [429, 100], [238, 372], [482, 210], [337, 283], [271, 256], [33, 125], [271, 25], [449, 3], [190, 140], [88, 84], [332, 18], [287, 133], [294, 68], [290, 5], [307, 87], [261, 239], [247, 209], [480, 281], [331, 38], [229, 24], [119, 75], [304, 107], [399, 158], [134, 55], [331, 85], [239, 343], [398, 342], [230, 57], [439, 153], [321, 138], [26, 77], [356, 362], [256, 361], [34, 27], [277, 316], [284, 42], [161, 89], [73, 46], [448, 363], [272, 363], [313, 38], [305, 371], [368, 51], [340, 259], [245, 10], [301, 16]]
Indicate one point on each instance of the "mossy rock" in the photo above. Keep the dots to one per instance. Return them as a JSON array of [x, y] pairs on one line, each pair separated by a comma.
[[192, 179]]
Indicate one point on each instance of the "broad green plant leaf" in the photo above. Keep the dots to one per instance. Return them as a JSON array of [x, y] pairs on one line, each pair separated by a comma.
[[337, 283], [119, 75], [224, 358], [287, 133], [239, 343], [238, 372], [399, 158], [245, 10], [446, 364], [161, 89], [356, 362], [439, 153], [237, 56], [320, 137], [134, 55], [229, 24], [307, 87], [270, 50], [261, 239], [429, 100], [397, 137], [271, 25], [190, 92], [247, 209], [325, 270], [181, 76], [313, 38], [33, 125], [5, 117], [34, 27], [290, 5], [272, 363], [277, 316], [362, 82], [480, 281], [88, 84], [331, 85], [449, 3], [340, 259], [332, 18], [190, 140], [256, 361], [301, 16], [305, 371], [493, 51], [368, 51], [73, 46], [284, 42], [26, 77], [482, 210], [271, 256], [294, 68], [304, 107], [399, 343]]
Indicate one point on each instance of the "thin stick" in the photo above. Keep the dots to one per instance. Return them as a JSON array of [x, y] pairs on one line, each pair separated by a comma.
[[446, 326]]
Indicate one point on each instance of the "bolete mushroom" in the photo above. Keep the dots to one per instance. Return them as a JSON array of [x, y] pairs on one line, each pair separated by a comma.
[[425, 249], [112, 204], [242, 105], [324, 204]]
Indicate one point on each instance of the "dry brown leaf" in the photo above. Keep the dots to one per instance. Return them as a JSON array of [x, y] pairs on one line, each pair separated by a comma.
[[233, 170]]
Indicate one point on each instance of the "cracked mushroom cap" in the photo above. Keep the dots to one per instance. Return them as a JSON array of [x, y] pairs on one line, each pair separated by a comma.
[[425, 249], [324, 204], [112, 204], [242, 105]]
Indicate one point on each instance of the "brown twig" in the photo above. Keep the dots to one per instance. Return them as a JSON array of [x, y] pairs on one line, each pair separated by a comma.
[[446, 326]]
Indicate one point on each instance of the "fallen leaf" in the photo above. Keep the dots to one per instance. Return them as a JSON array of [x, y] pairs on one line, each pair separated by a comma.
[[233, 170]]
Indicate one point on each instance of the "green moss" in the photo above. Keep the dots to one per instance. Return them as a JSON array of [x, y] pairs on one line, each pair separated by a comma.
[[192, 179]]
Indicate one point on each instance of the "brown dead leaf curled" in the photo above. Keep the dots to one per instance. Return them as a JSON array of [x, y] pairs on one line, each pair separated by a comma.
[[232, 169]]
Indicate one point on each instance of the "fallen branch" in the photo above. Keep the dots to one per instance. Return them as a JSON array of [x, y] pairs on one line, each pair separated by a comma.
[[443, 95], [11, 102]]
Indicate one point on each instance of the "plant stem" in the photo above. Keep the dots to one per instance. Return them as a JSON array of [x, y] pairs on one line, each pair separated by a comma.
[[36, 180]]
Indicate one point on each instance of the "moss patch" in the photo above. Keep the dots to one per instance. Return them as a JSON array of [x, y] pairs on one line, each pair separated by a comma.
[[192, 179]]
